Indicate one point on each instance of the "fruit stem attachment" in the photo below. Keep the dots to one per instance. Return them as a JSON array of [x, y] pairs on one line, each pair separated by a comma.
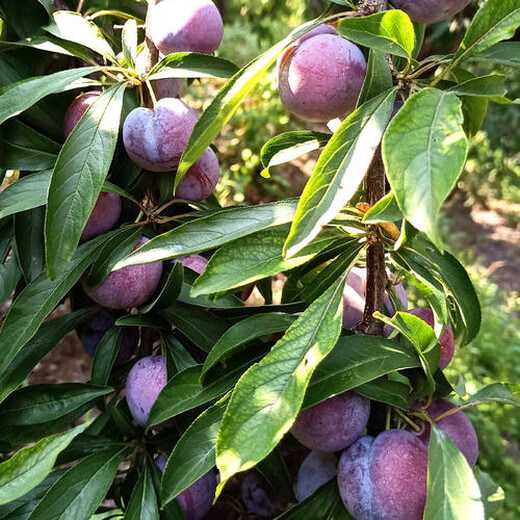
[[408, 421]]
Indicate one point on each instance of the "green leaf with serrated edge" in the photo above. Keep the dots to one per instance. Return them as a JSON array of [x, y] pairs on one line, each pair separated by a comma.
[[23, 148], [424, 151], [388, 392], [453, 492], [194, 454], [10, 275], [340, 170], [378, 78], [38, 299], [192, 65], [497, 393], [82, 489], [129, 41], [39, 346], [212, 231], [78, 177], [357, 360], [30, 245], [495, 21], [29, 466], [391, 32], [506, 53], [74, 27], [143, 502], [386, 210], [27, 193], [22, 95], [36, 404], [243, 332], [253, 258], [171, 285], [484, 86], [228, 99], [106, 354], [266, 401], [289, 146]]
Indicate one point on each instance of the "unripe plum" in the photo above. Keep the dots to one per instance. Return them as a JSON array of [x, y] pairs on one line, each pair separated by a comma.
[[128, 287], [259, 497], [144, 383], [384, 478], [333, 424], [200, 180], [76, 110], [196, 263], [321, 78], [457, 426], [430, 11], [156, 138], [166, 88], [180, 26], [317, 469], [104, 216], [93, 331], [447, 340]]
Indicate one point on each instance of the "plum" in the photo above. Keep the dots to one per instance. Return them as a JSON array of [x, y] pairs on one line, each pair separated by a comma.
[[76, 110], [384, 478], [128, 287], [430, 11], [93, 331], [317, 469], [167, 87], [457, 426], [196, 263], [321, 78], [200, 180], [259, 497], [333, 424], [180, 26], [156, 138], [104, 216], [447, 340], [144, 383]]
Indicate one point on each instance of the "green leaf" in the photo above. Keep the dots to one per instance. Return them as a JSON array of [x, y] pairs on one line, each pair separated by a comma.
[[30, 246], [194, 454], [497, 393], [340, 170], [177, 357], [357, 360], [72, 27], [266, 401], [495, 21], [22, 148], [78, 177], [170, 288], [143, 502], [29, 466], [212, 231], [388, 392], [484, 86], [506, 53], [386, 210], [453, 492], [37, 404], [129, 41], [106, 354], [192, 65], [27, 193], [10, 275], [424, 150], [378, 79], [243, 333], [22, 95], [391, 32], [493, 495], [81, 490], [253, 258]]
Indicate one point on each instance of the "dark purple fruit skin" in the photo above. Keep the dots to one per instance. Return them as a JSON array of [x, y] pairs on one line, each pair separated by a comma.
[[167, 87], [76, 110], [181, 26], [93, 331], [430, 11], [317, 469], [321, 78], [334, 424], [156, 138], [259, 498], [384, 478], [200, 180], [457, 426], [129, 287], [196, 263], [104, 216], [144, 383]]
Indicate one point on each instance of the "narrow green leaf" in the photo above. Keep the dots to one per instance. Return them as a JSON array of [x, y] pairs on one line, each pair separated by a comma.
[[388, 392], [177, 356], [484, 86], [106, 354], [10, 275], [378, 79], [129, 41], [143, 502], [171, 286], [29, 466], [506, 53], [497, 393], [78, 177], [493, 495], [340, 170], [30, 245], [266, 401]]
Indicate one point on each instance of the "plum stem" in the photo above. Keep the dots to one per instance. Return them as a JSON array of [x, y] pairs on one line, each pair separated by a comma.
[[407, 420], [457, 409]]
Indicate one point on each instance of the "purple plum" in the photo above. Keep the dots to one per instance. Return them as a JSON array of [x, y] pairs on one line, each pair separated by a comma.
[[128, 287], [384, 478], [180, 26], [167, 87], [430, 11], [196, 263], [259, 497], [76, 110], [333, 424], [200, 180], [104, 216], [317, 469]]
